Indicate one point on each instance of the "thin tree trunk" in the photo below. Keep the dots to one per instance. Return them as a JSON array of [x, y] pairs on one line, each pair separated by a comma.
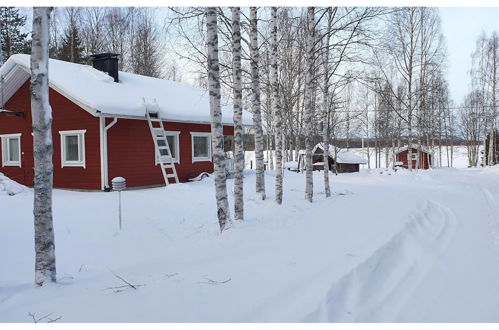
[[276, 108], [309, 184], [238, 109], [325, 108], [223, 213], [257, 116], [45, 265]]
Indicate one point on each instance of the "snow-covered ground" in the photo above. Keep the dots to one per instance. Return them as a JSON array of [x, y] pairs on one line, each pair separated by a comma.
[[387, 246]]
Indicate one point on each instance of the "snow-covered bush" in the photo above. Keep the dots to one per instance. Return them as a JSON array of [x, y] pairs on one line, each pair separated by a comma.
[[10, 187]]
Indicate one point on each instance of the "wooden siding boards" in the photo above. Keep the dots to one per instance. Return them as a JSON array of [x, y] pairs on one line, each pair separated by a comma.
[[66, 116], [131, 152], [130, 146], [423, 159]]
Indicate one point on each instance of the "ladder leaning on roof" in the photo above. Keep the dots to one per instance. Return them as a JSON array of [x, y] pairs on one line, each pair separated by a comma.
[[163, 152]]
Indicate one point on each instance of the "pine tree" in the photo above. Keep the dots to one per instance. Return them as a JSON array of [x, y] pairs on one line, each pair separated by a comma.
[[72, 49], [13, 41]]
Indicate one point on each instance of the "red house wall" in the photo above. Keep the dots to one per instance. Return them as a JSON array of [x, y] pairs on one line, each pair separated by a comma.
[[130, 146], [423, 159], [131, 152], [66, 116]]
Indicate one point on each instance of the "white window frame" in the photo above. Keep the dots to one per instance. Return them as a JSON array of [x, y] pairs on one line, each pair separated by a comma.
[[176, 140], [81, 144], [6, 152], [201, 159], [414, 156]]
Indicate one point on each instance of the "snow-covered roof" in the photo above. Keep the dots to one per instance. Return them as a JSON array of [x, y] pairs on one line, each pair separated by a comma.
[[97, 93], [342, 156], [414, 146]]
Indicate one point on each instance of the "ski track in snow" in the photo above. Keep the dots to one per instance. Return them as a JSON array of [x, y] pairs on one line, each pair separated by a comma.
[[391, 274], [493, 213]]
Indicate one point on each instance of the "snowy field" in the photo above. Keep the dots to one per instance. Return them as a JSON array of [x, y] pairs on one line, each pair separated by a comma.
[[387, 246]]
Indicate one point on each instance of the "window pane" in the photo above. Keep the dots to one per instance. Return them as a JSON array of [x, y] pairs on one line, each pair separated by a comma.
[[72, 150], [200, 146], [13, 149], [171, 144]]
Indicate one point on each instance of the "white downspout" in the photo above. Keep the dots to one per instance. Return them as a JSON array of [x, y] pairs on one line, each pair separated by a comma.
[[103, 150]]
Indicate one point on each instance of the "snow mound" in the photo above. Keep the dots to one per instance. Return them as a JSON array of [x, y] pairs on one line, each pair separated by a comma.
[[10, 187]]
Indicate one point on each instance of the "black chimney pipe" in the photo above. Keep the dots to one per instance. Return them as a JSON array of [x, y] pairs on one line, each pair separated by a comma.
[[106, 62]]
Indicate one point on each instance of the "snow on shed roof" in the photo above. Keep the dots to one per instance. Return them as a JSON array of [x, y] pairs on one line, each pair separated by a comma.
[[97, 93], [342, 156], [414, 146]]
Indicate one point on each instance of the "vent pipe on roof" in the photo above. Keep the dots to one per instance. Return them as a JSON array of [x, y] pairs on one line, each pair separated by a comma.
[[106, 62]]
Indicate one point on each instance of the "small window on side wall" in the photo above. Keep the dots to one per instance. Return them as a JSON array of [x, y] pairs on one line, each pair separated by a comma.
[[173, 142], [73, 148], [11, 150], [201, 147]]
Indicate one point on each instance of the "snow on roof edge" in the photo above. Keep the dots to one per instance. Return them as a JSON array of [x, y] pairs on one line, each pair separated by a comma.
[[180, 102]]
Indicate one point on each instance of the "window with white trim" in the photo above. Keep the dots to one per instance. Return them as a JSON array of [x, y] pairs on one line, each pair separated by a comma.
[[11, 150], [414, 156], [73, 148], [201, 147], [173, 142]]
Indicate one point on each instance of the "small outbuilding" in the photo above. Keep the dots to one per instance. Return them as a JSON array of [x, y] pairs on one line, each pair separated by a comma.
[[340, 160], [421, 156]]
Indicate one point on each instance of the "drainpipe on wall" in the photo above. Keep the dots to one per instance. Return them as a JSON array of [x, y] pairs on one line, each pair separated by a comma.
[[103, 151]]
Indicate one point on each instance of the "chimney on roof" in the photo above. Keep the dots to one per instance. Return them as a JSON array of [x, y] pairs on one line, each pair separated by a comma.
[[106, 62]]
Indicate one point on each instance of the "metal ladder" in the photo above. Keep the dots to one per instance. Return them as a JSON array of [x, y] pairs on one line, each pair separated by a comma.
[[161, 146]]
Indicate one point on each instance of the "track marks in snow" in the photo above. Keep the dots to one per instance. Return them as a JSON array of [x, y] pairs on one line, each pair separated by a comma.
[[493, 212], [377, 289]]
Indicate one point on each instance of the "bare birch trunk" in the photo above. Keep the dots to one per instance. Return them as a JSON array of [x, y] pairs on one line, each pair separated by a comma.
[[276, 109], [216, 119], [325, 107], [257, 115], [238, 112], [45, 266], [309, 185]]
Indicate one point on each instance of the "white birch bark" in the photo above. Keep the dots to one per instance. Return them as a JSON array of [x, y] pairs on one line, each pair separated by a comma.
[[217, 136], [325, 107], [308, 113], [238, 122], [276, 108], [45, 266], [256, 106]]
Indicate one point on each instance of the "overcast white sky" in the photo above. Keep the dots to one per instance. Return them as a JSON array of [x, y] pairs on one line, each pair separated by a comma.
[[461, 27]]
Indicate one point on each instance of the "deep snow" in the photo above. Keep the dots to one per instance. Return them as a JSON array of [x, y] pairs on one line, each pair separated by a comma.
[[387, 246]]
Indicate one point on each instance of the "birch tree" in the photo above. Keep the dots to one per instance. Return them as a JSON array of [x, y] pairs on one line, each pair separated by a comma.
[[45, 266], [238, 112], [325, 105], [257, 116], [216, 119], [308, 115], [276, 109]]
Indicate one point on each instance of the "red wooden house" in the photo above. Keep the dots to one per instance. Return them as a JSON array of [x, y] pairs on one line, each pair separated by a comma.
[[422, 157], [99, 127]]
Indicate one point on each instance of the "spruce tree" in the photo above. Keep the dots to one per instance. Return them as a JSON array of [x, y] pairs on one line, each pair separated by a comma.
[[72, 49], [13, 41]]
